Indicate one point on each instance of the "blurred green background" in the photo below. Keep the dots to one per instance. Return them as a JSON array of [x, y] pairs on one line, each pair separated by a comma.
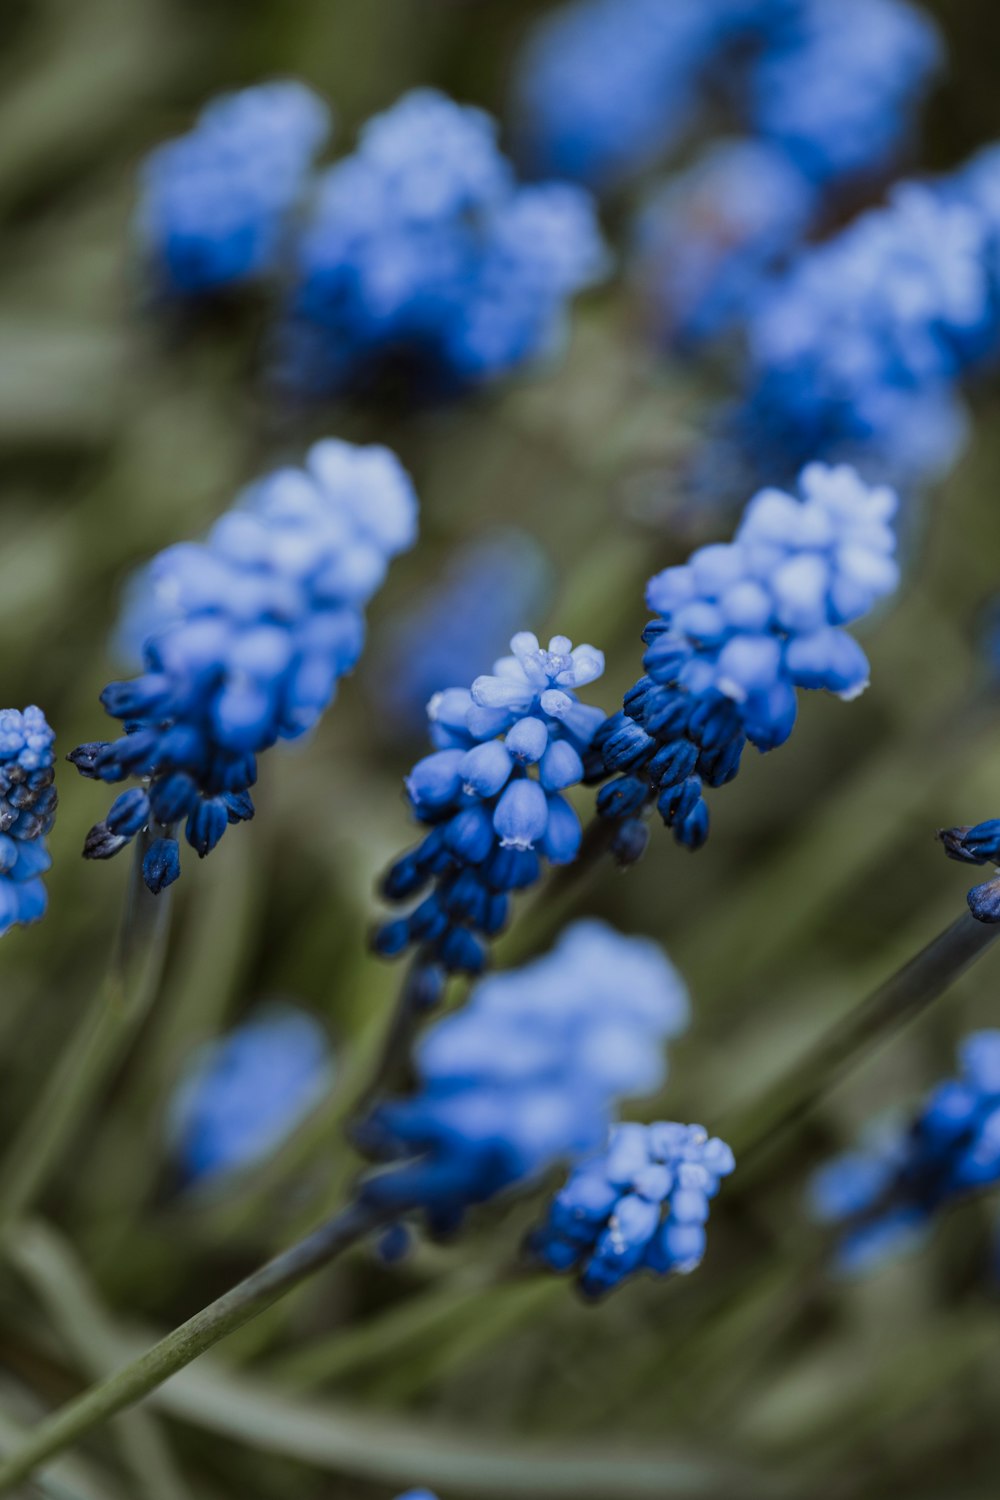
[[757, 1375]]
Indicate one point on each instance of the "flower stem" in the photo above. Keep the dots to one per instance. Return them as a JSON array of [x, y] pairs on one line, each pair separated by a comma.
[[114, 1014], [899, 999], [229, 1312]]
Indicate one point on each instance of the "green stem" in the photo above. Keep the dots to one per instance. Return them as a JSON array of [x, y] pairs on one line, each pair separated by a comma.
[[898, 1000], [184, 1344], [114, 1015]]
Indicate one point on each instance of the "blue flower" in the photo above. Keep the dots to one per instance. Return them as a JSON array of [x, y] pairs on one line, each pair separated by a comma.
[[641, 1205], [27, 812], [741, 626], [458, 625], [217, 204], [885, 1196], [250, 632], [840, 84], [978, 845], [422, 254], [708, 241], [855, 353], [527, 1073], [492, 793], [243, 1094]]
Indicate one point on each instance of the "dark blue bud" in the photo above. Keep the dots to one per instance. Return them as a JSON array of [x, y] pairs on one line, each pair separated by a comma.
[[181, 746], [496, 915], [673, 763], [675, 803], [425, 988], [637, 695], [978, 845], [87, 757], [628, 746], [391, 938], [461, 952], [512, 869], [466, 897], [101, 843], [623, 797], [469, 834], [984, 901], [666, 656], [713, 722], [146, 697], [692, 829], [135, 753], [666, 714], [239, 773], [720, 765], [172, 797], [629, 843], [394, 1244], [161, 865], [429, 922], [239, 806], [207, 822], [403, 879], [653, 629], [129, 813]]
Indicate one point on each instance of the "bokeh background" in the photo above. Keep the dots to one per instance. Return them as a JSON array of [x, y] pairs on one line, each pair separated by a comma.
[[120, 435]]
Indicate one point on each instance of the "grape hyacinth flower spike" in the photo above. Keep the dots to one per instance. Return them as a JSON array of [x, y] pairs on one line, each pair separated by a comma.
[[640, 1206], [885, 1196], [27, 812], [741, 627], [526, 1075], [492, 794], [217, 203], [249, 634]]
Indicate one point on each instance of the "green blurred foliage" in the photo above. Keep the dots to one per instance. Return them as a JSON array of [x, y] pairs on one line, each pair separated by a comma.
[[758, 1374]]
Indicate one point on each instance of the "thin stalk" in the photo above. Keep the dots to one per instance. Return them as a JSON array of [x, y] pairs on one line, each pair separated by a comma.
[[115, 1013], [184, 1344], [397, 1045], [898, 1000]]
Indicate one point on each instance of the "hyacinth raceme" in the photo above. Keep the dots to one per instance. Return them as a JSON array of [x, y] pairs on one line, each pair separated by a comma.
[[507, 749], [856, 352], [27, 812], [741, 626], [706, 244], [242, 1095], [886, 1195], [527, 1073], [641, 1205], [249, 634], [423, 256], [217, 204]]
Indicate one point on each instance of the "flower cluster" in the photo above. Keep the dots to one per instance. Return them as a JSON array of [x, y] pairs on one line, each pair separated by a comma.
[[857, 350], [707, 242], [217, 204], [506, 750], [243, 1094], [885, 1196], [642, 1205], [741, 626], [249, 633], [978, 845], [458, 624], [27, 812], [609, 87], [526, 1074], [422, 253]]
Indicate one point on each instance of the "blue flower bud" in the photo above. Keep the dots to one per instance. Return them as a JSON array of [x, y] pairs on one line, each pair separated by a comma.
[[129, 813], [521, 815], [161, 864], [207, 822]]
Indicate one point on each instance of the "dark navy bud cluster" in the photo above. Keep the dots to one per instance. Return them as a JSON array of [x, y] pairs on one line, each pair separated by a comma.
[[423, 256], [218, 204], [979, 845], [492, 795], [526, 1075], [640, 1206], [27, 812], [885, 1196], [740, 628], [249, 633]]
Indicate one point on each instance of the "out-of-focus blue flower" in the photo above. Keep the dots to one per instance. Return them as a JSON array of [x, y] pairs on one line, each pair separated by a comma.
[[216, 203], [886, 1195], [742, 625], [840, 84], [706, 243], [251, 631], [527, 1073], [854, 354], [27, 812], [457, 627], [243, 1094], [642, 1205], [422, 253], [506, 751]]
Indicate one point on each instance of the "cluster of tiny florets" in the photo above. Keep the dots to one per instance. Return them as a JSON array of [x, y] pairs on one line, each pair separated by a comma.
[[640, 1206], [27, 812], [887, 1194], [492, 793], [249, 633], [527, 1073], [740, 628]]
